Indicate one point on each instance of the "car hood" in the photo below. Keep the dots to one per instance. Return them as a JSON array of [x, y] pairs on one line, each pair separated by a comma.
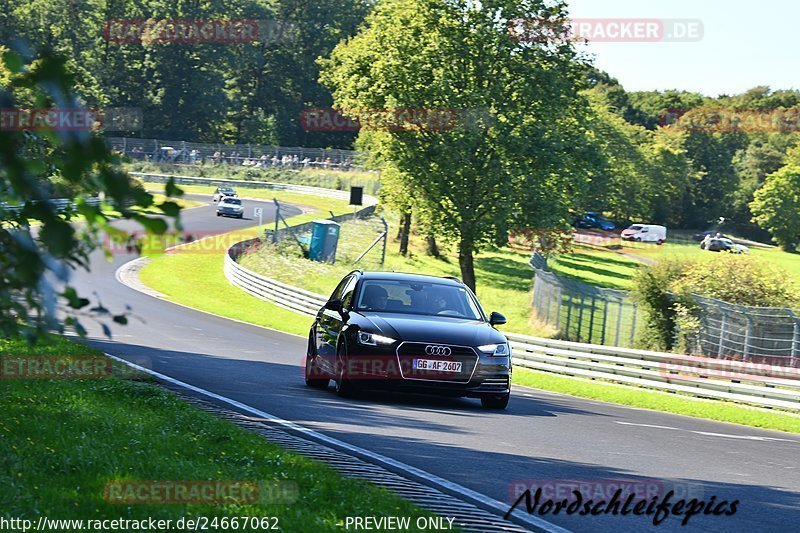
[[444, 330]]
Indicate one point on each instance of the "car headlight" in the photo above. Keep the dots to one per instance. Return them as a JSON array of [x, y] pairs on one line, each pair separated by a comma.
[[373, 339], [498, 350]]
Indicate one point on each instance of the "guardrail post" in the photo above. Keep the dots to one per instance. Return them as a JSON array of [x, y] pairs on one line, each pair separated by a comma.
[[747, 334], [633, 325], [550, 292], [605, 321], [795, 335], [277, 218], [385, 238], [569, 312], [559, 305]]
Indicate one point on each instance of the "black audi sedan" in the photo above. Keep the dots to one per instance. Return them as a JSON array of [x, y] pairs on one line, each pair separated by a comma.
[[409, 332]]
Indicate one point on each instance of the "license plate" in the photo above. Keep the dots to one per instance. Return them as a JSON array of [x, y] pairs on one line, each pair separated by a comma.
[[438, 366]]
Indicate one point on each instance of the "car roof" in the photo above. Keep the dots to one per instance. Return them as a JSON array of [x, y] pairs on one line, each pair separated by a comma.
[[402, 276]]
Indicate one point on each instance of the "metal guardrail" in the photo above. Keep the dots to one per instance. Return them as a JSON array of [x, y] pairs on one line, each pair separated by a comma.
[[739, 381], [248, 184], [60, 204], [286, 296]]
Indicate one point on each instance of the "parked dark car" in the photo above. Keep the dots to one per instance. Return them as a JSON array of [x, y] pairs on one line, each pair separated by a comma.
[[409, 332], [723, 244], [592, 220]]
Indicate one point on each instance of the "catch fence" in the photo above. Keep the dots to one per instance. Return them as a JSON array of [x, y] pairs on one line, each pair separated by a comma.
[[729, 330], [582, 312]]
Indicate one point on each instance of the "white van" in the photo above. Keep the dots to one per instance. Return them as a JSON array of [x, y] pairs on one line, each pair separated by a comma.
[[645, 233]]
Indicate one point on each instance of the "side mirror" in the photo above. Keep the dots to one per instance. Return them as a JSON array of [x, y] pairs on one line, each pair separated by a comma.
[[496, 319], [335, 305]]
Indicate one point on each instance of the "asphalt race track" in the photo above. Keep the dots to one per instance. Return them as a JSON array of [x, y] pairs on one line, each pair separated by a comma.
[[541, 438]]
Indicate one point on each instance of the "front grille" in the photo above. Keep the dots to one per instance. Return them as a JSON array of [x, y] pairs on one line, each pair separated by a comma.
[[407, 352]]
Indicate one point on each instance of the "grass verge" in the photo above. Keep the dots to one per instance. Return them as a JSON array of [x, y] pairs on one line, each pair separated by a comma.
[[63, 440], [659, 401], [197, 280]]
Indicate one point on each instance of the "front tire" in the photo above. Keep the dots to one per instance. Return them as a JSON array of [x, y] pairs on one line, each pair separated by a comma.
[[344, 387], [496, 402]]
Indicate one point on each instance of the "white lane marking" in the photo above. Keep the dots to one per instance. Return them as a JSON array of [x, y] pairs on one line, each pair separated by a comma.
[[743, 437], [433, 480], [710, 434], [646, 425]]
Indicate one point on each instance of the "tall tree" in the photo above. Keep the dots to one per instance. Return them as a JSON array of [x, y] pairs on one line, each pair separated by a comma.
[[514, 156], [776, 206]]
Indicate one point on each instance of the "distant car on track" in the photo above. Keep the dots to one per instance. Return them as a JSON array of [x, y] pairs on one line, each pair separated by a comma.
[[230, 207], [409, 332], [222, 192]]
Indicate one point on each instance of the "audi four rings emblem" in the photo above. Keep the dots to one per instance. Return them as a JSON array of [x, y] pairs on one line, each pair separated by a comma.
[[437, 350]]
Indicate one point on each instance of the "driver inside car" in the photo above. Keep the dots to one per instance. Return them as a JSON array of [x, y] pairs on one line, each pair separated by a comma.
[[375, 297]]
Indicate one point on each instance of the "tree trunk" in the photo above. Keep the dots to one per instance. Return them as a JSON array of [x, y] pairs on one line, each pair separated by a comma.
[[433, 248], [406, 229], [465, 261]]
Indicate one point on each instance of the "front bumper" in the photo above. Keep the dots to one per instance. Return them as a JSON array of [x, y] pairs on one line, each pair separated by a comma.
[[392, 368]]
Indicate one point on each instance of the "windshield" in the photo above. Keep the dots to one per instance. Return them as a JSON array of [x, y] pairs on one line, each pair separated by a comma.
[[234, 201], [635, 228], [436, 299]]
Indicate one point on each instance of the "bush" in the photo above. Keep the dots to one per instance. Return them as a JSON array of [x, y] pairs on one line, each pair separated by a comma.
[[651, 291], [739, 280], [664, 291]]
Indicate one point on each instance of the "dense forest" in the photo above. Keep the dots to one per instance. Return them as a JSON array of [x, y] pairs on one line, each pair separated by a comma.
[[652, 164]]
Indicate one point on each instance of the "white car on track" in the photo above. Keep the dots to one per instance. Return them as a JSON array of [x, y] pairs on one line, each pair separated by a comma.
[[230, 207]]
